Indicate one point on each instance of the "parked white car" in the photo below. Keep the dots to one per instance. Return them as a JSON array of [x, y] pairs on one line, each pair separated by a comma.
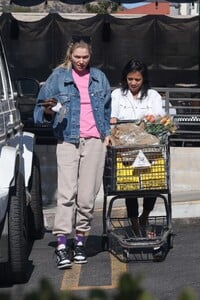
[[21, 216]]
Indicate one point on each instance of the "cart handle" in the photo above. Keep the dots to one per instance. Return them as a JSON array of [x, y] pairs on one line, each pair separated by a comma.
[[126, 121]]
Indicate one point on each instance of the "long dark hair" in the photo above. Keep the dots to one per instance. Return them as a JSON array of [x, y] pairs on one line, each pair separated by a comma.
[[135, 66]]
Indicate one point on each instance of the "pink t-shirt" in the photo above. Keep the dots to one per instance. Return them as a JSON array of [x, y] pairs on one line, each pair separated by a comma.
[[87, 122]]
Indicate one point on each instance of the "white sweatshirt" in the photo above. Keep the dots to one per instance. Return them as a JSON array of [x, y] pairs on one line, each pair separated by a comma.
[[128, 107]]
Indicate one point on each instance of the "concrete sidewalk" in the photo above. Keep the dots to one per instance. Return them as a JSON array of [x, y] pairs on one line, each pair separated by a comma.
[[184, 181], [185, 208]]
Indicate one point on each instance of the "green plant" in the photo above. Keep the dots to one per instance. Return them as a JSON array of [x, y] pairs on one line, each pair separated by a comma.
[[129, 288], [187, 294]]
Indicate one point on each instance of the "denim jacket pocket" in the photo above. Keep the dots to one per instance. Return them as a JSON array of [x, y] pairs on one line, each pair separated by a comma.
[[97, 99], [62, 98]]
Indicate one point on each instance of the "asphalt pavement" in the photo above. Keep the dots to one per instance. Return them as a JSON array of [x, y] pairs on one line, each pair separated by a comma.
[[163, 280]]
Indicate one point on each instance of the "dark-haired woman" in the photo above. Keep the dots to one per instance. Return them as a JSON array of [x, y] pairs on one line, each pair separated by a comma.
[[133, 101]]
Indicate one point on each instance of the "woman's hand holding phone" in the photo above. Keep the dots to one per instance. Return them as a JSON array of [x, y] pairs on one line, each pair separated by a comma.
[[47, 105]]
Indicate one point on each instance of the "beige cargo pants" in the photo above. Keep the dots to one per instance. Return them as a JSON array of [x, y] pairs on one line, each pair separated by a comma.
[[80, 171]]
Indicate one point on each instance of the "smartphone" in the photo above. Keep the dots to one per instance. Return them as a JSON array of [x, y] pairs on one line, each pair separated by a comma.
[[51, 102]]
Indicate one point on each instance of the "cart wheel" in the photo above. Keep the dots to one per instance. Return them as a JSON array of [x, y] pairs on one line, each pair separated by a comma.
[[170, 241], [159, 254], [105, 243]]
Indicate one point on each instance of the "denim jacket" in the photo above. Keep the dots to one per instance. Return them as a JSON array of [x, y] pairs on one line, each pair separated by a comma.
[[66, 123]]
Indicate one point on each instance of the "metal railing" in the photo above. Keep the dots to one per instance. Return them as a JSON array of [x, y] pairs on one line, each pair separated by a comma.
[[183, 104]]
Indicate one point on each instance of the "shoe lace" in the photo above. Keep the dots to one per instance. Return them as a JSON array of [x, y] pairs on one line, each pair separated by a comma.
[[62, 253], [79, 249]]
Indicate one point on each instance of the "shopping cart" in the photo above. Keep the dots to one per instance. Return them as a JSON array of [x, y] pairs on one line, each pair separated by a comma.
[[137, 172]]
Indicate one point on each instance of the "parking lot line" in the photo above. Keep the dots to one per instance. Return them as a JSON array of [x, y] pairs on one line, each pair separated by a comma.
[[70, 279]]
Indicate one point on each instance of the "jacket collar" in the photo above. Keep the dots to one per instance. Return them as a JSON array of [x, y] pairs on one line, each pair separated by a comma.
[[68, 75]]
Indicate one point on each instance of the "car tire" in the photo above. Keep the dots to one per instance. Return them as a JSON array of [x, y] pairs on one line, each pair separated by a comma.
[[35, 210], [18, 232]]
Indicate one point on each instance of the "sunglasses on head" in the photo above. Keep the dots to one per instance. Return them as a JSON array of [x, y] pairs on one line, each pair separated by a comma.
[[78, 38]]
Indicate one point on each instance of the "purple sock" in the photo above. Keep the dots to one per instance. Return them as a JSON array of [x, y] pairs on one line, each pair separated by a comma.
[[61, 239], [79, 239]]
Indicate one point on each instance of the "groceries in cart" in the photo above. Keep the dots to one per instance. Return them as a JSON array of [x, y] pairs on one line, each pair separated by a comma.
[[148, 131], [136, 169], [140, 169], [132, 134], [160, 126]]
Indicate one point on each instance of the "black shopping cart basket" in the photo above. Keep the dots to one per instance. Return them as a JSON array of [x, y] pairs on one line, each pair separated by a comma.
[[137, 172]]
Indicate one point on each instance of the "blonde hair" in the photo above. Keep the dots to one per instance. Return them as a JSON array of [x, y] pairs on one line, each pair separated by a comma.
[[72, 46]]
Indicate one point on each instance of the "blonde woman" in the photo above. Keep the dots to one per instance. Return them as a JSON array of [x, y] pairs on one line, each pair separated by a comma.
[[76, 99]]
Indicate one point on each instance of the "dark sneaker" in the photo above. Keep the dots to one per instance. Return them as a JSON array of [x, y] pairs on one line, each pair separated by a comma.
[[63, 258], [80, 254]]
